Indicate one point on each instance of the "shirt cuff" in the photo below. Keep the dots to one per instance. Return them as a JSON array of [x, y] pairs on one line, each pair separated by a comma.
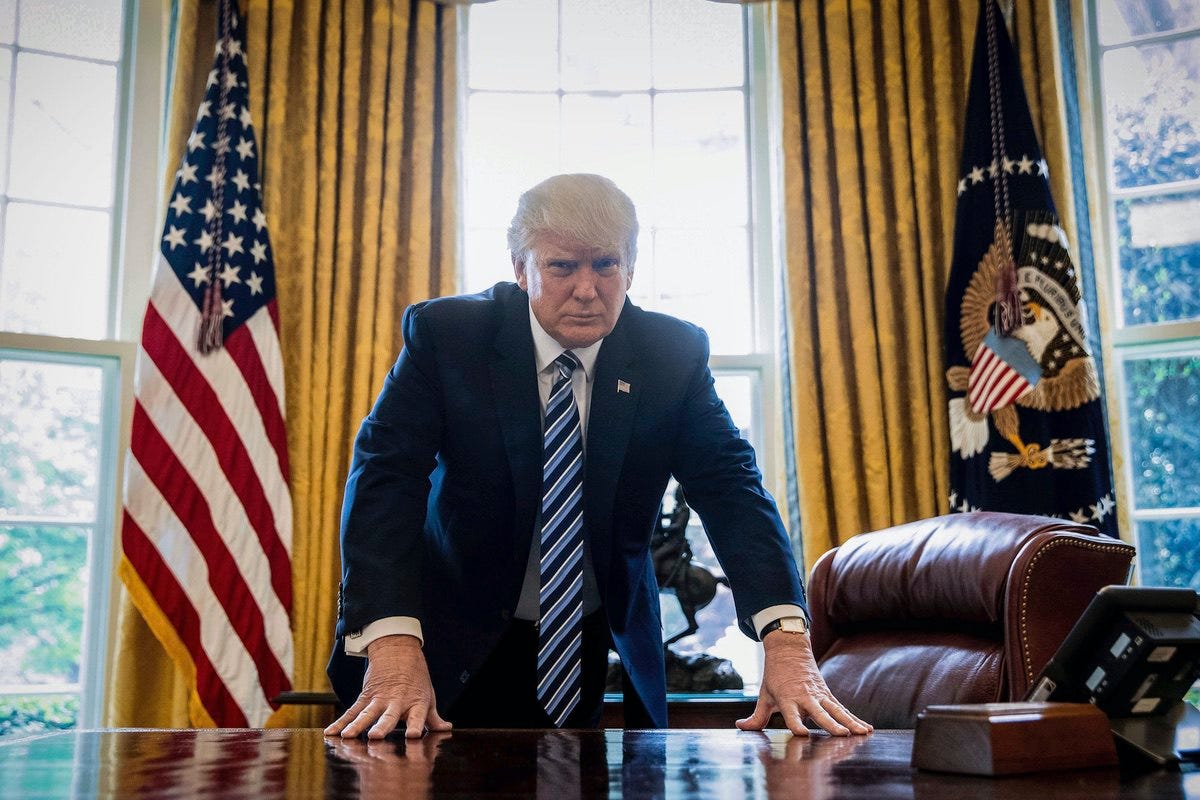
[[356, 642], [772, 613]]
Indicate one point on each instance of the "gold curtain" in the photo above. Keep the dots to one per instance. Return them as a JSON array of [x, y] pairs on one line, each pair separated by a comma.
[[873, 98], [354, 109]]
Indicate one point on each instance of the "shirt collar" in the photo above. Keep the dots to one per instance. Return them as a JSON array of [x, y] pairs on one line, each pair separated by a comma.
[[546, 349]]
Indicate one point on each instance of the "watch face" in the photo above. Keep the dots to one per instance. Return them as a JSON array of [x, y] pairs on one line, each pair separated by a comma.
[[793, 625]]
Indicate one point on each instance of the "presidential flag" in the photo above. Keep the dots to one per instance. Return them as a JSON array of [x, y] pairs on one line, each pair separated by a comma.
[[1026, 423], [207, 531]]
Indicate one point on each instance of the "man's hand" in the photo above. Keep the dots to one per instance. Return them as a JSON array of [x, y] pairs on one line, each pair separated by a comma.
[[793, 686], [395, 688]]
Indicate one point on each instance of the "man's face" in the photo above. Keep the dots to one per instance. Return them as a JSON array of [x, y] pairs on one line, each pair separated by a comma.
[[576, 291]]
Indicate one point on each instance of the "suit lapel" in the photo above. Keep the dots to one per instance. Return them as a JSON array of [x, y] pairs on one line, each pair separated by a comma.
[[615, 392], [514, 381]]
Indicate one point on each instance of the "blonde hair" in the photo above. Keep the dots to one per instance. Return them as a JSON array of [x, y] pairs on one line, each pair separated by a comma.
[[584, 208]]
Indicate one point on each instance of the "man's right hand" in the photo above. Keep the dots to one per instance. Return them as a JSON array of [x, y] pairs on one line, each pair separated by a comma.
[[396, 687]]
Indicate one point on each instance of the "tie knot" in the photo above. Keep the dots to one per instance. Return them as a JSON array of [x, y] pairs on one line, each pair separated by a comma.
[[566, 363]]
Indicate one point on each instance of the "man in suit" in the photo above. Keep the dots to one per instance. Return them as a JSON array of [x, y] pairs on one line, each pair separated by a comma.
[[498, 511]]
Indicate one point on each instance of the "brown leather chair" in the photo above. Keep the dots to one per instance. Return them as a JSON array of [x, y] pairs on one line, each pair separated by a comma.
[[965, 608]]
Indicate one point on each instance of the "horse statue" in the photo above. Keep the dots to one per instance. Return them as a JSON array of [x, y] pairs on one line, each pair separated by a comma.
[[695, 586]]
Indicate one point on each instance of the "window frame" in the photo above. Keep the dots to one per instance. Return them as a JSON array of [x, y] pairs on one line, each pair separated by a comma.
[[760, 89], [1123, 342], [136, 210]]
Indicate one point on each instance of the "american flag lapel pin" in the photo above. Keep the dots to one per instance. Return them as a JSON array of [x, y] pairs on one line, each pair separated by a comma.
[[623, 386]]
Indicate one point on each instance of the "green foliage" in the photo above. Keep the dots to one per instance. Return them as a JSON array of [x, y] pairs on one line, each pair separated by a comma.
[[49, 451], [25, 716]]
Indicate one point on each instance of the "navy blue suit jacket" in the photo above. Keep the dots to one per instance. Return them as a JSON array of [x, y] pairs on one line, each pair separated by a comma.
[[443, 491]]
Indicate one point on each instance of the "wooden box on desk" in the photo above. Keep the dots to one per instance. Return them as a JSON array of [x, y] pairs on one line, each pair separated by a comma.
[[1007, 738]]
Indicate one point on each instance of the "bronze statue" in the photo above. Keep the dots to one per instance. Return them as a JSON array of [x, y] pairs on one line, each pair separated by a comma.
[[694, 585]]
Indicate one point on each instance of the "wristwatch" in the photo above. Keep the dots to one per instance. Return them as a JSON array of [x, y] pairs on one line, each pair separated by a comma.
[[786, 624]]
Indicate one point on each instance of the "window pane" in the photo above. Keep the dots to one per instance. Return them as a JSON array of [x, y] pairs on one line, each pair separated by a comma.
[[1158, 247], [55, 272], [1152, 100], [486, 258], [513, 44], [1163, 403], [697, 44], [700, 158], [1121, 19], [5, 92], [90, 28], [610, 136], [1168, 552], [27, 715], [49, 439], [41, 605], [703, 276], [606, 45], [8, 22], [63, 130], [512, 143]]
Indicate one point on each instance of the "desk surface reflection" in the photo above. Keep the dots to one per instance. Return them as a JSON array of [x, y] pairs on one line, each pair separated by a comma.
[[502, 763]]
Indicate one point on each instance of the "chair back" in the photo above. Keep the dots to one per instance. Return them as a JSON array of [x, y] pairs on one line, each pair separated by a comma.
[[965, 608]]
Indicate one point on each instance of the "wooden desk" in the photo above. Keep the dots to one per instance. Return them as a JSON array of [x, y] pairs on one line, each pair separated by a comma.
[[264, 764]]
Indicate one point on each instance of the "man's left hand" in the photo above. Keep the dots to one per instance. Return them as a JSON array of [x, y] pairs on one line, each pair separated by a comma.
[[793, 686]]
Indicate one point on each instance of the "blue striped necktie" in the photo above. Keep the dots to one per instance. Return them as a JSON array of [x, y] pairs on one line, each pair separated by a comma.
[[560, 624]]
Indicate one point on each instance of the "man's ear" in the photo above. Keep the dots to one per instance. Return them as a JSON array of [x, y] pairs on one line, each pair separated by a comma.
[[518, 262]]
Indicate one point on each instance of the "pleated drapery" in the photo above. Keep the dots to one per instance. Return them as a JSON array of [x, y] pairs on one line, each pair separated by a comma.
[[353, 104], [873, 99]]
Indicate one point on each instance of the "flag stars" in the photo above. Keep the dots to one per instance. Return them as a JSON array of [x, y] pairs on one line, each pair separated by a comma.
[[209, 211], [231, 81], [259, 251], [230, 274], [229, 111], [227, 308], [1025, 166], [976, 175], [242, 180], [181, 204], [245, 149], [195, 141], [237, 211], [962, 186], [992, 169], [259, 219], [187, 174], [233, 244], [254, 282], [215, 177], [1043, 168], [212, 79], [205, 242], [1081, 516], [244, 117], [204, 110], [234, 48], [199, 274], [1008, 165], [174, 237]]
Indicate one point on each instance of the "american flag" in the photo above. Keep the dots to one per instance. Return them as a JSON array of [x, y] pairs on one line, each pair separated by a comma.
[[207, 531]]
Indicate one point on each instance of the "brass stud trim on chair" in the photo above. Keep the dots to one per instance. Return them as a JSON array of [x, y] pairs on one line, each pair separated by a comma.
[[1096, 546]]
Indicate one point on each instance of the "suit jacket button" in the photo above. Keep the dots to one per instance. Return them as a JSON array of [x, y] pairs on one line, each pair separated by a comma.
[[505, 615], [466, 676]]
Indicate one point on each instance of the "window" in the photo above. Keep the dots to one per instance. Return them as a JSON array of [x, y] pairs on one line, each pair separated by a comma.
[[660, 96], [73, 103], [1147, 62]]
